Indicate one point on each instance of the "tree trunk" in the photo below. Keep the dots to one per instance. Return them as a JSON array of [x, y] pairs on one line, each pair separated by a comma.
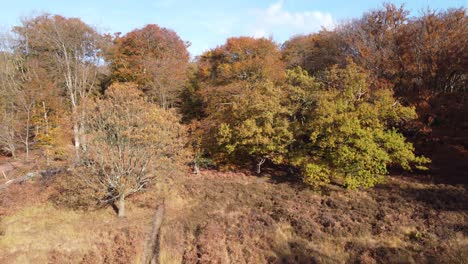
[[12, 150], [81, 131], [196, 169], [46, 121], [76, 136], [121, 206], [26, 140], [259, 165]]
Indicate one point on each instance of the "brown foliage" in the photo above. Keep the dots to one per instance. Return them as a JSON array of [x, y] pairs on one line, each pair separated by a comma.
[[153, 57], [69, 51], [241, 59], [425, 53], [315, 52], [73, 193], [434, 51], [130, 142]]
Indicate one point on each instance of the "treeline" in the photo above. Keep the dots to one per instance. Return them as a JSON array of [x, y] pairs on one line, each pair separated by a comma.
[[331, 106]]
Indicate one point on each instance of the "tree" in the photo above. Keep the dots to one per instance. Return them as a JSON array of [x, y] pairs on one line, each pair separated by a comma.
[[315, 52], [374, 40], [130, 140], [250, 121], [245, 114], [8, 133], [191, 105], [155, 58], [349, 132], [422, 54], [16, 77], [434, 52], [8, 124], [70, 51], [241, 59]]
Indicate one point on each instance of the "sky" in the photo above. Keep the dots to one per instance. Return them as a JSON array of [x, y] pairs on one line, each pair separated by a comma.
[[208, 23]]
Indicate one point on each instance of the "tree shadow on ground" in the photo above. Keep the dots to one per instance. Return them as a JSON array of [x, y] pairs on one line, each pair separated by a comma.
[[437, 197], [450, 164]]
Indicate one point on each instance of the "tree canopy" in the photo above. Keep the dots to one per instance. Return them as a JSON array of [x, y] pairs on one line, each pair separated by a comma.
[[349, 132], [155, 58], [334, 105]]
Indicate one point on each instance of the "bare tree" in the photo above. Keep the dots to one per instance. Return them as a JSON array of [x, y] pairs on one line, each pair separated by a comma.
[[16, 101], [69, 49], [20, 87], [7, 131], [7, 134], [129, 141]]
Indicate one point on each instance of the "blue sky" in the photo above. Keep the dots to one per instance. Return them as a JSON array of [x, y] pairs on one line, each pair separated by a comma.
[[208, 23]]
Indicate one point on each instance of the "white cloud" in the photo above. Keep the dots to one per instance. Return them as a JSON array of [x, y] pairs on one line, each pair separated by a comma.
[[282, 24]]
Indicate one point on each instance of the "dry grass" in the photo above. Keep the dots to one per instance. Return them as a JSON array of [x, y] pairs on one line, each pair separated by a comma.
[[236, 218], [32, 232], [225, 217], [40, 232]]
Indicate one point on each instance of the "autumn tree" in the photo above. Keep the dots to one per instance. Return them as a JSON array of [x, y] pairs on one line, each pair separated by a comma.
[[373, 42], [433, 49], [8, 125], [70, 51], [191, 105], [423, 53], [347, 132], [130, 140], [315, 52], [250, 121], [17, 79], [155, 58], [245, 111], [241, 59]]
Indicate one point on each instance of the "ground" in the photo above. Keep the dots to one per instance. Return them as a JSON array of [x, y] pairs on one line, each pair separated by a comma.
[[237, 218], [222, 217]]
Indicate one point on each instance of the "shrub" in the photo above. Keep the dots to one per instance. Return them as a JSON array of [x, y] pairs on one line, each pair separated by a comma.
[[73, 193]]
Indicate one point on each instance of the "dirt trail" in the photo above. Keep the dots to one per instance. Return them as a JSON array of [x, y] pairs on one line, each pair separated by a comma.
[[151, 255]]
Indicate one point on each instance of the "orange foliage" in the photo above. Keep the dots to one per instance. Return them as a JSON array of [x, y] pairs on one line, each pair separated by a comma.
[[155, 58], [242, 58]]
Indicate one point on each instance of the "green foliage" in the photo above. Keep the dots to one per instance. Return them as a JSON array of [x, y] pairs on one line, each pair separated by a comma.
[[251, 121], [334, 127], [316, 175], [349, 132]]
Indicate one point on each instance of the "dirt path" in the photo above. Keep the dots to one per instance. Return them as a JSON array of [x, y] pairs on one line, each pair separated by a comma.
[[151, 255]]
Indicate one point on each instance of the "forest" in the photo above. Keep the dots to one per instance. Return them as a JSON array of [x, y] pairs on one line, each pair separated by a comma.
[[348, 145]]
